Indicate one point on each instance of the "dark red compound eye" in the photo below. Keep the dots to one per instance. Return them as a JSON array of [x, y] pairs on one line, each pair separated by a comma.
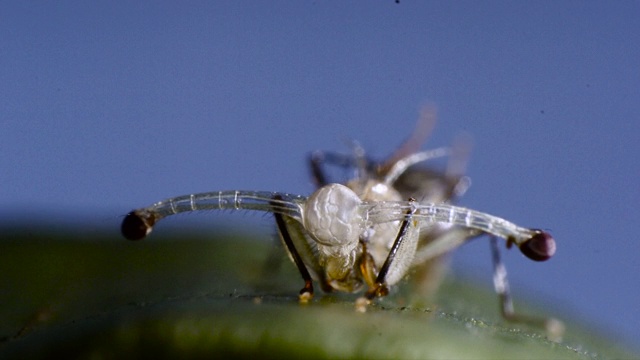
[[539, 247], [134, 227]]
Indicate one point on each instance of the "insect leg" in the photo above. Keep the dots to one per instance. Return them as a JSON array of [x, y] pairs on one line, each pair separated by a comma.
[[554, 327], [501, 283], [306, 293], [424, 127], [380, 288], [318, 159], [367, 264]]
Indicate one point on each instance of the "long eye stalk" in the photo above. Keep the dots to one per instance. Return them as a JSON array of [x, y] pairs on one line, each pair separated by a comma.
[[535, 244]]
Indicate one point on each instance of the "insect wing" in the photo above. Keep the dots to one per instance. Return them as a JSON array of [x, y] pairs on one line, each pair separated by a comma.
[[405, 253]]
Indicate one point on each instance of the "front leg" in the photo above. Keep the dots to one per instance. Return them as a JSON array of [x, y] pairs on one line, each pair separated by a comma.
[[306, 293], [396, 264]]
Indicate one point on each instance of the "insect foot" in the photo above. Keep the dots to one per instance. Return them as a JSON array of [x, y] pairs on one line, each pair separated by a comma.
[[306, 294], [361, 304]]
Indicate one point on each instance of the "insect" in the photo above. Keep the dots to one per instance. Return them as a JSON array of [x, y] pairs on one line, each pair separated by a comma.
[[371, 230]]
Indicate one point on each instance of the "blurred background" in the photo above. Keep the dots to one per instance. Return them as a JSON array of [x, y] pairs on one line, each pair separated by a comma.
[[110, 106]]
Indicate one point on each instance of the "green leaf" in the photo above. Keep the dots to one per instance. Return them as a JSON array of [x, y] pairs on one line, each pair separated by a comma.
[[230, 296]]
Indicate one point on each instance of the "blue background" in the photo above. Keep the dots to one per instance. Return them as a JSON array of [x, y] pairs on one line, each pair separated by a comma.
[[109, 106]]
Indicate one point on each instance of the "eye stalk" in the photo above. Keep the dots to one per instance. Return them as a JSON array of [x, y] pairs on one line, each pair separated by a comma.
[[539, 247]]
